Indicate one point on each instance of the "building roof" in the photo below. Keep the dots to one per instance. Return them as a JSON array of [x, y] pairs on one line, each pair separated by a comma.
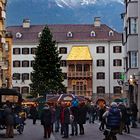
[[80, 33], [79, 53]]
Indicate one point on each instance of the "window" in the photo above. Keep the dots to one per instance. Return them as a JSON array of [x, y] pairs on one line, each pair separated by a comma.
[[117, 62], [69, 34], [111, 33], [100, 49], [100, 89], [16, 63], [92, 34], [117, 75], [25, 76], [100, 62], [133, 59], [25, 50], [25, 90], [63, 63], [33, 50], [25, 63], [18, 35], [16, 50], [86, 67], [17, 89], [32, 62], [63, 50], [117, 89], [16, 76], [78, 67], [133, 25], [100, 75], [65, 75], [117, 49]]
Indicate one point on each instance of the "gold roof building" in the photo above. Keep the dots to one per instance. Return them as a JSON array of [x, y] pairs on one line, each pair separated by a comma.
[[79, 53]]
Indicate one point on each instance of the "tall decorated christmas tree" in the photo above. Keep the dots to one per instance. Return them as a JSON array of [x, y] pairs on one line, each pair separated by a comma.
[[47, 77]]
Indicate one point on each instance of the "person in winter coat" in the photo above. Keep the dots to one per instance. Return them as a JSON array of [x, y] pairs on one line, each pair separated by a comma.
[[57, 117], [34, 113], [46, 121], [53, 117], [91, 111], [113, 116], [82, 113], [74, 113], [123, 110], [134, 111], [9, 120], [127, 120], [101, 119], [65, 120]]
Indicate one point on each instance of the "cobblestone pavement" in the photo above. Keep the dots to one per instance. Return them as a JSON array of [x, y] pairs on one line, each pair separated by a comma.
[[35, 132]]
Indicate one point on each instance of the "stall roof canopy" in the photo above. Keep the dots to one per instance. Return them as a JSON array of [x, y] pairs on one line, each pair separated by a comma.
[[79, 53], [7, 91]]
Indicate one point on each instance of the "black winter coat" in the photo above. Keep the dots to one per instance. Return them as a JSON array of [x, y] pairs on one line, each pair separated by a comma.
[[46, 117], [82, 113]]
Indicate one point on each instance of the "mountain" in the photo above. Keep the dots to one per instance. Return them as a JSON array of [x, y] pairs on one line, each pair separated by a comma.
[[65, 12]]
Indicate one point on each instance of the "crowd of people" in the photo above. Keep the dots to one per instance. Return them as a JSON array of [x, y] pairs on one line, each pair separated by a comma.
[[69, 118]]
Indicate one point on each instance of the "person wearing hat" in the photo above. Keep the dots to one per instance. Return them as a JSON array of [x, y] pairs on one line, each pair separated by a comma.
[[74, 113], [113, 118], [46, 121]]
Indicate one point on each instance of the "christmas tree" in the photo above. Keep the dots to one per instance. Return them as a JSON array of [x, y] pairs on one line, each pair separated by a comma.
[[47, 76]]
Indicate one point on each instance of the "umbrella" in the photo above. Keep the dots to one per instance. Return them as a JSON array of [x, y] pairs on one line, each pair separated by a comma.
[[118, 100]]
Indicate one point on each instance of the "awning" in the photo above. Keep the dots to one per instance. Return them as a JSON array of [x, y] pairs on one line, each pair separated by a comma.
[[66, 98], [79, 53]]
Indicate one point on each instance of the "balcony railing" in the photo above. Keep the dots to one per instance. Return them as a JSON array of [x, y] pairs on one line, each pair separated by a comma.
[[80, 74], [87, 92]]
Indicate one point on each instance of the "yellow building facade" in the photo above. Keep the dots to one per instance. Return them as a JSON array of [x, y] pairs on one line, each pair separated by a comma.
[[5, 49]]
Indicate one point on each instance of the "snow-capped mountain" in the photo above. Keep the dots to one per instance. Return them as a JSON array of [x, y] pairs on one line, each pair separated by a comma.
[[75, 3], [65, 11]]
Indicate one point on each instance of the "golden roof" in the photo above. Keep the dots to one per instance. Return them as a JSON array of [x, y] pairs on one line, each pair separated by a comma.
[[79, 53]]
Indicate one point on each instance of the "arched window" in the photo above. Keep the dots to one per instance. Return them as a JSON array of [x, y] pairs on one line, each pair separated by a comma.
[[69, 34], [111, 33], [92, 34]]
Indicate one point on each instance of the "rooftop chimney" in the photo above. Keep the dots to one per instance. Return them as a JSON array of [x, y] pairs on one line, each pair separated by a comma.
[[97, 22], [26, 23]]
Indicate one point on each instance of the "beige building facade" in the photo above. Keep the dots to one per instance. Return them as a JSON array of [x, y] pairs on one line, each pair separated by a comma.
[[92, 57]]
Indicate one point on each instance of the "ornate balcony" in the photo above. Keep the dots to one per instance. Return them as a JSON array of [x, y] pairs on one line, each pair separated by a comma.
[[87, 92], [80, 74]]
